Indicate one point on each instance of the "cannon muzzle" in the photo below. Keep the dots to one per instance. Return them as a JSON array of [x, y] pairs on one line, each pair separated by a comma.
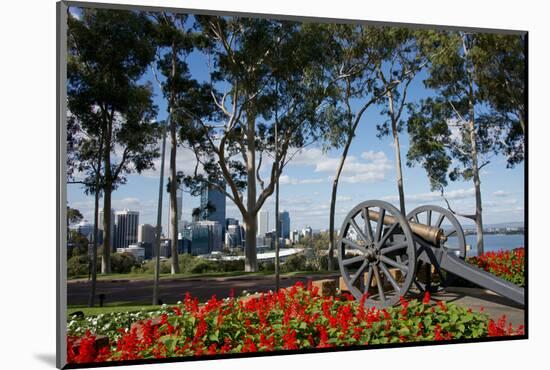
[[433, 235]]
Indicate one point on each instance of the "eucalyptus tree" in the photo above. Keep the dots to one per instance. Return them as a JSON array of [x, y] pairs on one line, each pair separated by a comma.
[[501, 82], [176, 39], [84, 153], [108, 53], [360, 53], [402, 62], [262, 71], [456, 127]]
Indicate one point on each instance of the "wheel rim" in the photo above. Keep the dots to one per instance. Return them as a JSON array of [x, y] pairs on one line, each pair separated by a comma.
[[456, 243], [369, 251]]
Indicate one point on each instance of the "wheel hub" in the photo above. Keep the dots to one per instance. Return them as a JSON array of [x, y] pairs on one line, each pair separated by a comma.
[[371, 255]]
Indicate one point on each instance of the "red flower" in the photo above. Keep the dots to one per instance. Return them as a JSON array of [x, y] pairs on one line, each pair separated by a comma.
[[426, 299]]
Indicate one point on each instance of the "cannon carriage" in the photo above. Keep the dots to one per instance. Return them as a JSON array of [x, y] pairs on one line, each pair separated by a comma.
[[380, 252]]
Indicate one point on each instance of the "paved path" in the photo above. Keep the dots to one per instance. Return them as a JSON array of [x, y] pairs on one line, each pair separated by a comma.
[[173, 290], [493, 305]]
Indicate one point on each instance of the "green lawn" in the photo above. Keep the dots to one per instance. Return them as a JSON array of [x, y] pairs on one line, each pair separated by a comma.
[[111, 307]]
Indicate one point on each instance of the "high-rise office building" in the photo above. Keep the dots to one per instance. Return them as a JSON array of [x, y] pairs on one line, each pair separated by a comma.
[[126, 228], [146, 233], [213, 205], [284, 225], [204, 237], [263, 222], [234, 236]]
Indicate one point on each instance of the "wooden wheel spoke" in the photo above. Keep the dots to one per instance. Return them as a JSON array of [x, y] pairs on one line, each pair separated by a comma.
[[390, 277], [388, 233], [358, 272], [352, 260], [368, 226], [380, 224], [429, 218], [379, 284], [450, 233], [394, 247], [354, 245], [439, 220], [359, 231], [389, 261], [369, 278]]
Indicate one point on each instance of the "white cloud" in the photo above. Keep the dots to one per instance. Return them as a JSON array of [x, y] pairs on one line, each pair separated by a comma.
[[185, 161], [287, 180], [343, 198], [434, 196], [369, 167], [501, 193]]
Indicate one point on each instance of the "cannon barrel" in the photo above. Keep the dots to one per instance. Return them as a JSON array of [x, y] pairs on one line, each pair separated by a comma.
[[433, 235]]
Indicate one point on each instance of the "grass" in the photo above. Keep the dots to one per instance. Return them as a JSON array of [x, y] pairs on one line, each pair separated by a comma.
[[147, 276], [111, 307]]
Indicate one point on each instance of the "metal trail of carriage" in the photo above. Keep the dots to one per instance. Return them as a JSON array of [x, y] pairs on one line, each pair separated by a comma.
[[380, 250]]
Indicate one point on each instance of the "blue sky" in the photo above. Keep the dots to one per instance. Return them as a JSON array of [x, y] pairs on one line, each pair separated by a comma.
[[306, 182]]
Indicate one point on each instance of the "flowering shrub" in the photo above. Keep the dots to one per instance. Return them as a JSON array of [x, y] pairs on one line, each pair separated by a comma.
[[295, 318], [508, 265]]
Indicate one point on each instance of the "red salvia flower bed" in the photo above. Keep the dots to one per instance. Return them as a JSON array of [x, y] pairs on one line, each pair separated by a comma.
[[508, 265], [295, 318]]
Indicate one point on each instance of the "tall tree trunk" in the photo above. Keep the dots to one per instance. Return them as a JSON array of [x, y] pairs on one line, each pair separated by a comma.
[[477, 187], [250, 261], [175, 268], [333, 199], [106, 257], [473, 143], [397, 148], [91, 299]]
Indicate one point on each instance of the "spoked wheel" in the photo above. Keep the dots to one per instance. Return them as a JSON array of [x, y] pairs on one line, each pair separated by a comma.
[[435, 216], [377, 253]]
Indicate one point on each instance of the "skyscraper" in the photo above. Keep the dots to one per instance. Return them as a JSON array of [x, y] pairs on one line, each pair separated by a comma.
[[213, 205], [263, 222], [284, 222], [146, 233], [126, 228]]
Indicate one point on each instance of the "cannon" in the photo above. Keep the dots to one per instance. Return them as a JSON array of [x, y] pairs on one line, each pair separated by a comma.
[[380, 251]]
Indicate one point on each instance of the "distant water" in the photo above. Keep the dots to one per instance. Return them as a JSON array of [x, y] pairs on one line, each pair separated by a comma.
[[494, 242]]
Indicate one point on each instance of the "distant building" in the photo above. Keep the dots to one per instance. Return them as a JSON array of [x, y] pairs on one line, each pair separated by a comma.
[[234, 237], [307, 231], [165, 248], [284, 225], [263, 222], [295, 236], [230, 221], [213, 206], [148, 251], [126, 228], [204, 237], [146, 233]]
